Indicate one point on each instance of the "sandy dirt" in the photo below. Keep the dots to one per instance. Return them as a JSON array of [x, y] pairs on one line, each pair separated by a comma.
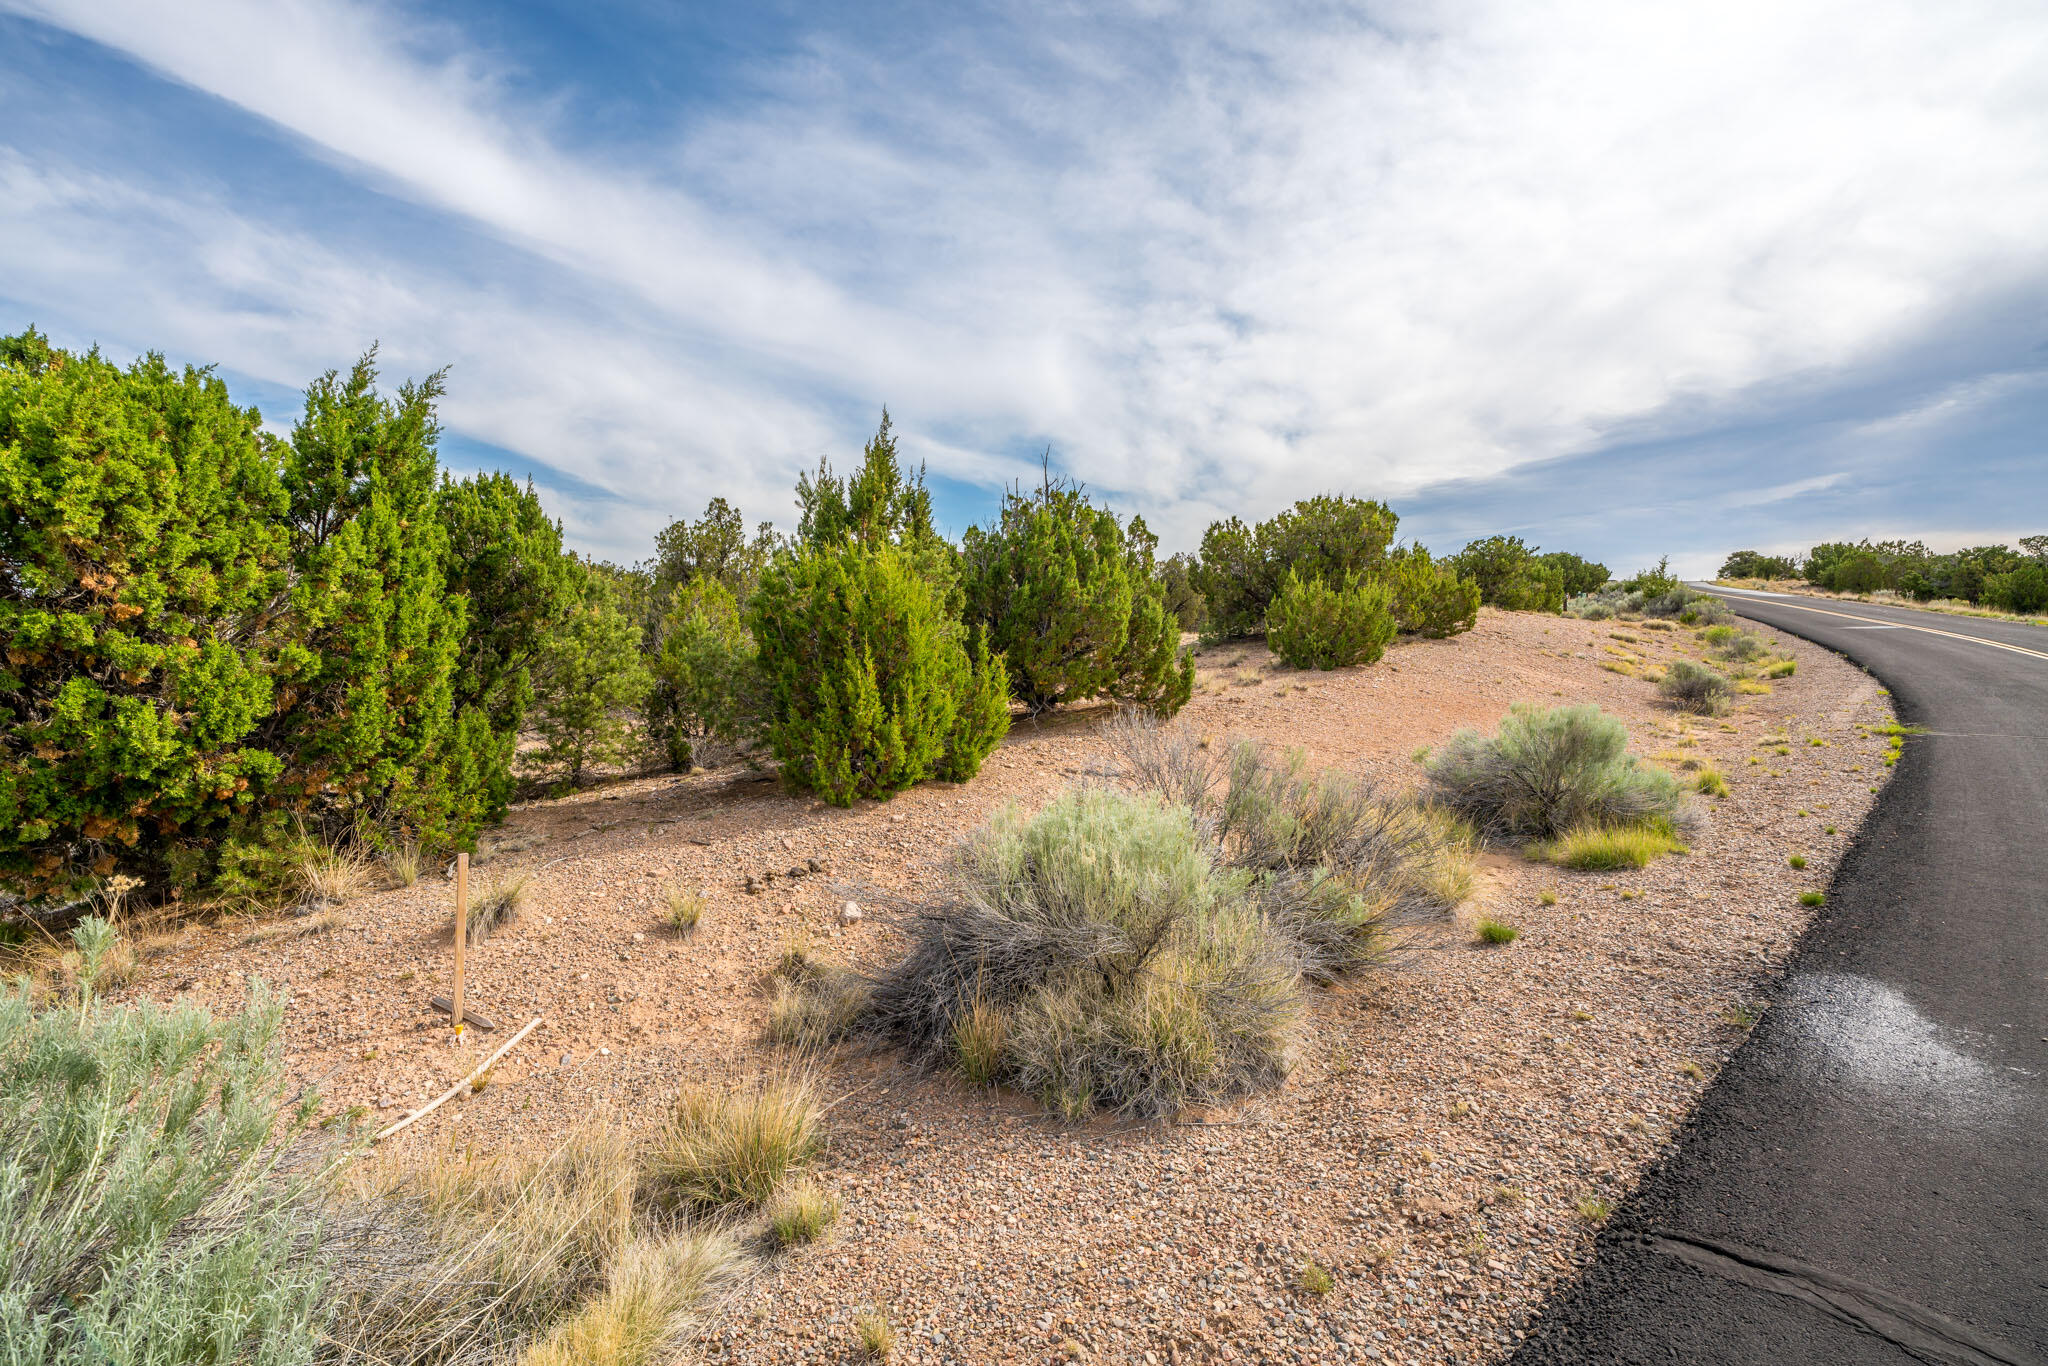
[[1445, 1124]]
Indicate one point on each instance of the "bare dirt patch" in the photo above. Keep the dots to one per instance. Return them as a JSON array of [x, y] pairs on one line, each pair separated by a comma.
[[1435, 1150]]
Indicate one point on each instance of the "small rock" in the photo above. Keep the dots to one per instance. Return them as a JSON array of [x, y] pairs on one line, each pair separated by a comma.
[[816, 865], [849, 914], [639, 938], [796, 871]]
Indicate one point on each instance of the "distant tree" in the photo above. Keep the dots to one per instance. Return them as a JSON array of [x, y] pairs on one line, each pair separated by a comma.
[[705, 674], [1510, 576], [1753, 564], [1326, 537], [1071, 602], [2035, 546], [505, 561], [1184, 601], [1653, 583], [591, 676], [1579, 575], [716, 545]]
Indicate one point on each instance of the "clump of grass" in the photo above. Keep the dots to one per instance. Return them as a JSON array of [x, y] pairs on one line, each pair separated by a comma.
[[1781, 668], [1693, 1070], [331, 870], [1493, 931], [1548, 896], [1812, 898], [1829, 829], [802, 1213], [1594, 1210], [733, 1147], [1750, 687], [980, 1032], [820, 1005], [1709, 782], [1605, 848], [494, 905], [1694, 687], [685, 910], [874, 1334], [1797, 860], [404, 860], [1316, 1280], [1548, 770], [650, 1290]]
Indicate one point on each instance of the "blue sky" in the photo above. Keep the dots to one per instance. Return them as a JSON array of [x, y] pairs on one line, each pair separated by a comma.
[[1618, 278]]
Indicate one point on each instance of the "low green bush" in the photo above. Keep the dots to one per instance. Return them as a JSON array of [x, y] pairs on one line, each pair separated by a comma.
[[1549, 769], [1429, 597], [1610, 848], [1313, 625], [868, 686], [706, 682]]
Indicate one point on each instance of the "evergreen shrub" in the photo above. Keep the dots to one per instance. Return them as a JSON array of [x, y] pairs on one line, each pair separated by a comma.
[[1312, 625]]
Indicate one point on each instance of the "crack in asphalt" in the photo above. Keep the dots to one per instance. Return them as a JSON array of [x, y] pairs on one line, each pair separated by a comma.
[[1909, 1326]]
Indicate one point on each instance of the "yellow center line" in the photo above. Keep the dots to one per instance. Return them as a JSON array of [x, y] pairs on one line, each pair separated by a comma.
[[1903, 626]]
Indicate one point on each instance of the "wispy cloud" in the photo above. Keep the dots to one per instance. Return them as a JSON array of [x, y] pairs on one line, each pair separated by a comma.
[[1216, 260]]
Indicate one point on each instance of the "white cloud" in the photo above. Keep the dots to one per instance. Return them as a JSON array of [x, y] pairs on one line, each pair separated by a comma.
[[1219, 261]]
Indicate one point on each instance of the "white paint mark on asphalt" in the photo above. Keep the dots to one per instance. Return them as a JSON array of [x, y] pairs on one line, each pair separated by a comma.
[[1870, 628], [1870, 1032]]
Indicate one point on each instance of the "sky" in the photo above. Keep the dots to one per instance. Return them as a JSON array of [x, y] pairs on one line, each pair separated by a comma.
[[1625, 279]]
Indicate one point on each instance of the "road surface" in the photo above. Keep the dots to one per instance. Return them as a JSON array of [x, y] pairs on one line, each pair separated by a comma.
[[1867, 1179]]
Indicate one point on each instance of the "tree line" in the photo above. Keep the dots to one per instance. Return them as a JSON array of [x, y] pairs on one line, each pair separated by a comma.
[[217, 643], [1987, 575]]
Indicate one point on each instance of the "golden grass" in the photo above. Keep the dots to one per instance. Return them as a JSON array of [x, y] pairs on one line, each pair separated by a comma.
[[724, 1148], [980, 1032], [875, 1335], [685, 910], [495, 904], [331, 872], [653, 1287], [816, 1006], [1451, 871], [1710, 782]]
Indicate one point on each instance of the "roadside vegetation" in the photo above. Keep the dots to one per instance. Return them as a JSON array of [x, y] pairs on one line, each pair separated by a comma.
[[172, 1199], [1998, 578]]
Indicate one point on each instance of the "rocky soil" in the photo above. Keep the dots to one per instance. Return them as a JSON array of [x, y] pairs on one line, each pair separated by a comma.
[[1441, 1150]]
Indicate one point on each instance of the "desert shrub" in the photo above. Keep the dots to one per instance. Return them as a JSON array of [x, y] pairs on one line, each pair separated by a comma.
[[1548, 769], [148, 1214], [1337, 868], [1133, 974], [1244, 567], [1781, 668], [705, 682], [1493, 931], [1607, 848], [1314, 625], [1595, 606], [496, 903], [1511, 576], [876, 506], [867, 685], [1069, 597], [733, 1147], [1652, 583], [1428, 597], [1695, 687], [1741, 647], [505, 561], [590, 679]]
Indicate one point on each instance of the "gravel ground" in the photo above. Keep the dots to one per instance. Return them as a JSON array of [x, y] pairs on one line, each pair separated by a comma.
[[1446, 1122]]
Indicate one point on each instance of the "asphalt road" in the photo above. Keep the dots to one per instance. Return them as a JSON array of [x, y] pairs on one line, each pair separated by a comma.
[[1867, 1179]]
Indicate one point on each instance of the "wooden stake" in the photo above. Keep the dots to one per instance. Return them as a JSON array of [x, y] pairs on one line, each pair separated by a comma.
[[461, 930], [458, 1087]]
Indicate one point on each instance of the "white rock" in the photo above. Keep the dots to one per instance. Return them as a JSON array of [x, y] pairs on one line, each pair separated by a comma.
[[849, 913]]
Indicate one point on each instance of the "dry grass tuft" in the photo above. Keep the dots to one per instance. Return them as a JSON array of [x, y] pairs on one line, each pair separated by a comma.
[[816, 1006], [685, 910], [802, 1213], [874, 1334], [725, 1148], [495, 904], [652, 1289], [330, 871]]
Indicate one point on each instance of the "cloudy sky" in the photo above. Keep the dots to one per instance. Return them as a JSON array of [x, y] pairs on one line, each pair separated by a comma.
[[1622, 278]]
